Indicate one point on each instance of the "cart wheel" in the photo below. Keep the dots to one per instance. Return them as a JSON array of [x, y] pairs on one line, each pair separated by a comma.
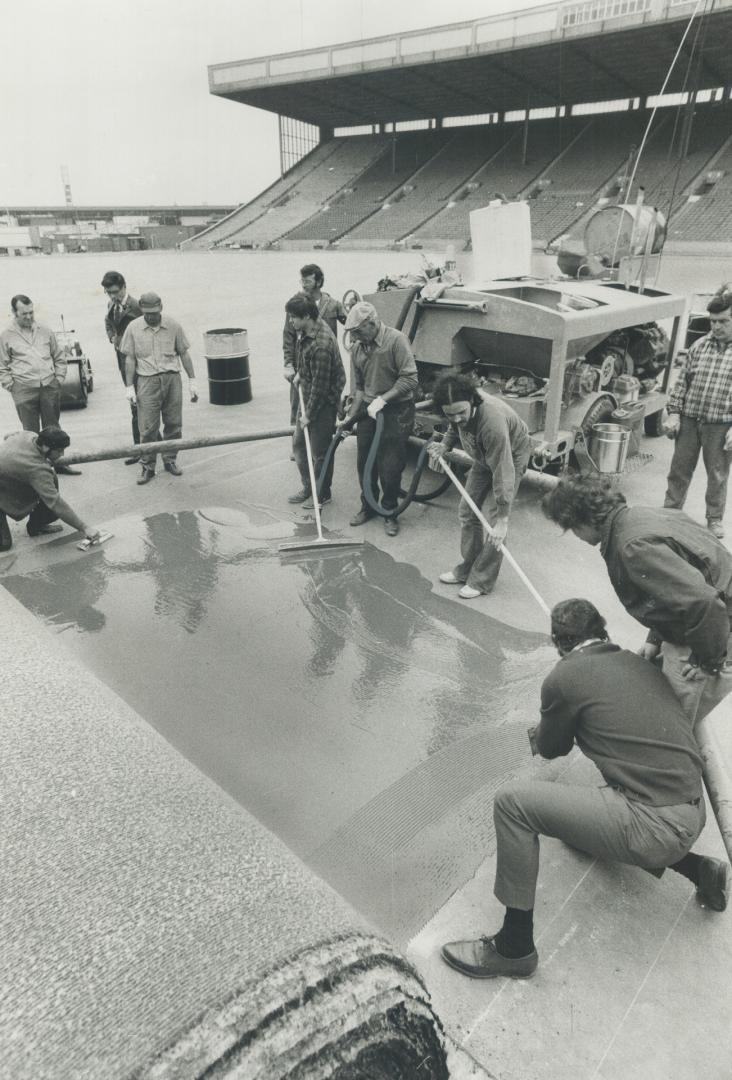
[[653, 424]]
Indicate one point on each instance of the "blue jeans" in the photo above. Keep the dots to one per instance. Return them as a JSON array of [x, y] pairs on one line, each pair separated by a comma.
[[693, 437], [321, 429], [392, 453]]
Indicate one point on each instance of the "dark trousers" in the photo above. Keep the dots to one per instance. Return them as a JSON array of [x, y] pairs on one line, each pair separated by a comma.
[[693, 437], [37, 406], [40, 515], [321, 429], [392, 454], [133, 408]]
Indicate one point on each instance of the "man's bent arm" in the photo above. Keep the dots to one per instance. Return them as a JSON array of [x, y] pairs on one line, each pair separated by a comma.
[[554, 736]]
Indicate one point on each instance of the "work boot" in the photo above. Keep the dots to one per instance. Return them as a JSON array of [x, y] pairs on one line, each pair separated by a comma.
[[391, 526], [716, 528], [146, 475], [299, 496], [44, 530], [361, 517], [6, 539], [481, 960], [172, 468], [714, 883]]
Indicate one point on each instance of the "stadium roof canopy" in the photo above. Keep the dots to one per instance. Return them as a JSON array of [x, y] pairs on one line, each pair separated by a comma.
[[564, 53]]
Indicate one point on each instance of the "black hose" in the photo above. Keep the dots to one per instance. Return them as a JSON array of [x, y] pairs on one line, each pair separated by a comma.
[[410, 496]]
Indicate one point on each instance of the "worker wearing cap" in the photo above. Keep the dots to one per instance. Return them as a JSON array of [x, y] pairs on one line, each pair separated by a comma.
[[155, 347], [622, 714], [330, 310], [669, 573], [385, 378], [29, 487], [32, 368]]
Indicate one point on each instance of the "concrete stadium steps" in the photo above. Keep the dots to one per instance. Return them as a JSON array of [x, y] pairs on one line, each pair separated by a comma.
[[307, 196], [248, 212], [506, 172], [405, 156], [710, 217], [430, 187]]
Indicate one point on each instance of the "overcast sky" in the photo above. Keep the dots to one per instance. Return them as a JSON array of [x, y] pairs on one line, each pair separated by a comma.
[[118, 92]]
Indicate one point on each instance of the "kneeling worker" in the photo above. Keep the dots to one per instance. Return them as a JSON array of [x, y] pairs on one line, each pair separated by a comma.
[[623, 715], [29, 487], [499, 443]]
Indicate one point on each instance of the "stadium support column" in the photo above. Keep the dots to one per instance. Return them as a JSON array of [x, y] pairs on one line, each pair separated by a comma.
[[525, 147], [325, 133]]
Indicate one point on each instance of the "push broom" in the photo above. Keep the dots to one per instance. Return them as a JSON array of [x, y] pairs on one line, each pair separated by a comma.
[[321, 541]]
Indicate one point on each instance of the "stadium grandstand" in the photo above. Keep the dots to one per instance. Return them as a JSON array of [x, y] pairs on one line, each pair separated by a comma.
[[394, 140]]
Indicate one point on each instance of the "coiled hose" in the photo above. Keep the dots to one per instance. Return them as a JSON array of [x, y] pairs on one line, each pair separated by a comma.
[[410, 495]]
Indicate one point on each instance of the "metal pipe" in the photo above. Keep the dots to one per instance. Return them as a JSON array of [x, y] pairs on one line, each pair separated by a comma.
[[133, 449], [717, 779], [540, 480]]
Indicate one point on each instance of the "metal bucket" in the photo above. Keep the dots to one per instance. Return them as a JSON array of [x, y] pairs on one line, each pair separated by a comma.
[[609, 447], [227, 358]]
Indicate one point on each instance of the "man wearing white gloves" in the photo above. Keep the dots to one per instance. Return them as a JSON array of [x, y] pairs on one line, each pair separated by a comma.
[[155, 346], [385, 378]]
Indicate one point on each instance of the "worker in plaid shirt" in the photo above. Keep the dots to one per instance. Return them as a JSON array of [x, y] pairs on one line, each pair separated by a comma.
[[700, 414], [319, 372]]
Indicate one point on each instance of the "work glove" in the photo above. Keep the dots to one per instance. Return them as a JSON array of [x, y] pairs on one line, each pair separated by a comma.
[[92, 533], [193, 389], [131, 395], [436, 451], [671, 425], [375, 407]]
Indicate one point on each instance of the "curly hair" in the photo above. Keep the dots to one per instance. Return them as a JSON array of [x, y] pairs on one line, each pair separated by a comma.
[[574, 621], [452, 387], [581, 500]]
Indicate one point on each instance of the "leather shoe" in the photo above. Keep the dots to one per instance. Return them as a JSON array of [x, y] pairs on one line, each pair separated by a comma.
[[391, 526], [6, 539], [481, 960], [132, 461], [66, 470], [146, 476], [361, 517], [172, 468], [44, 530], [299, 496], [714, 883]]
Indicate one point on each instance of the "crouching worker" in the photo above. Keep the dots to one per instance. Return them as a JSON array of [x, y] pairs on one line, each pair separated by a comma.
[[623, 715], [499, 443], [29, 486]]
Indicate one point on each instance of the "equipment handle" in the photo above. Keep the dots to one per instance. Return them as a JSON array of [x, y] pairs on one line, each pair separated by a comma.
[[311, 467]]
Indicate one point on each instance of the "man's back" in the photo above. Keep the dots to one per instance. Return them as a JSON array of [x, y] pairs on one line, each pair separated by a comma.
[[625, 717]]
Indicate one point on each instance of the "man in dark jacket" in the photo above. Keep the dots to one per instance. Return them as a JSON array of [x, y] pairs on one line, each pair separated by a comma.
[[623, 715], [499, 443], [122, 309], [669, 573]]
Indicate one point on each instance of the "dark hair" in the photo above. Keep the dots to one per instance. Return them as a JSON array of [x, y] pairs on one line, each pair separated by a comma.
[[54, 438], [314, 269], [574, 621], [302, 307], [721, 301], [113, 278], [581, 500], [20, 299], [452, 387]]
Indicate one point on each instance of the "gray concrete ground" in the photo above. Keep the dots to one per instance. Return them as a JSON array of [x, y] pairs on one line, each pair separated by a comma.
[[634, 980]]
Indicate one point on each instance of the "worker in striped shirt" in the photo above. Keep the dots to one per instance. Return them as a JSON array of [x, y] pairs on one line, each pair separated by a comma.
[[700, 415]]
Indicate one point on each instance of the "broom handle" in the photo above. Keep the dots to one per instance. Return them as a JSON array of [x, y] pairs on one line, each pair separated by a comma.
[[539, 599], [311, 468]]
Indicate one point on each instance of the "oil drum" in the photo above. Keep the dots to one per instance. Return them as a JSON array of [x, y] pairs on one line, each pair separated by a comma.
[[227, 359]]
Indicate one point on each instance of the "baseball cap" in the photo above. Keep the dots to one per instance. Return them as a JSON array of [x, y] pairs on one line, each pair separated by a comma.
[[150, 301], [359, 313]]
